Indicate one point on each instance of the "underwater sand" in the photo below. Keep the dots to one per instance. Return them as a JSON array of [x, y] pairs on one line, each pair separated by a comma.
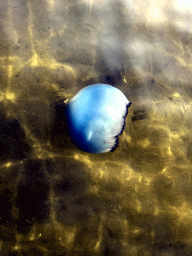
[[58, 200]]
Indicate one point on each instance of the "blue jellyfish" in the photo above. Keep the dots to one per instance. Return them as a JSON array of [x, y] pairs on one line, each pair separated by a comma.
[[95, 118]]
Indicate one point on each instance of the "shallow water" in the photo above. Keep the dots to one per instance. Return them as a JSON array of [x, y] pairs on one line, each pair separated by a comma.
[[58, 200]]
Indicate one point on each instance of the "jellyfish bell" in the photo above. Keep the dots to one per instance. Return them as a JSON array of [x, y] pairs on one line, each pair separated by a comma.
[[95, 118]]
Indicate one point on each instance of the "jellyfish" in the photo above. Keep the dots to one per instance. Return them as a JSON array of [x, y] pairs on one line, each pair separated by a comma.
[[95, 118]]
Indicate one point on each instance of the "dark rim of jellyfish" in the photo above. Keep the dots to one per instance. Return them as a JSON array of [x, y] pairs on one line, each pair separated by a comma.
[[123, 126]]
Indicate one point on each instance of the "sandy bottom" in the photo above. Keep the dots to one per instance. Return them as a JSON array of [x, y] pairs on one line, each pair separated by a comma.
[[58, 200]]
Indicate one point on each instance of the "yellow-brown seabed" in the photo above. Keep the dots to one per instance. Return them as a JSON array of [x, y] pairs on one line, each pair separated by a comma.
[[57, 200]]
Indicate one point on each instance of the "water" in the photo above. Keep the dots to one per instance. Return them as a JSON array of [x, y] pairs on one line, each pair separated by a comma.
[[58, 200]]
